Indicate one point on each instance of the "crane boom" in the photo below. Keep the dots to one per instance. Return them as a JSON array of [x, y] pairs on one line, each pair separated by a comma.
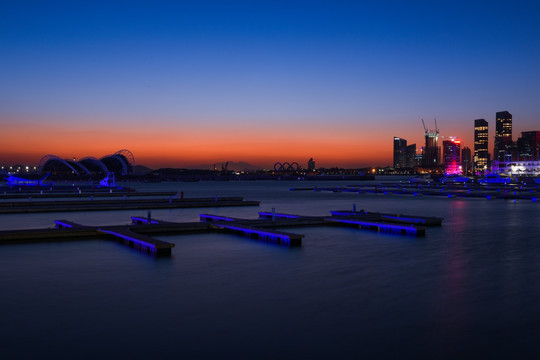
[[423, 123]]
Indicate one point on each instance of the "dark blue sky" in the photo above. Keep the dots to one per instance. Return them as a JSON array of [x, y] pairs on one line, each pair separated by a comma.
[[373, 67]]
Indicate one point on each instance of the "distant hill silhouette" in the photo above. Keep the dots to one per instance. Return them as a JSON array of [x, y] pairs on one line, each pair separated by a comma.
[[142, 170], [233, 165]]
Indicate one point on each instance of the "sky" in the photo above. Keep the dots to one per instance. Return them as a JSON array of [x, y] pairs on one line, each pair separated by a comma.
[[184, 83]]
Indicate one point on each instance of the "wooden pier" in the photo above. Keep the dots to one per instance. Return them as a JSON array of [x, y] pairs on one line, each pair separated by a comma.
[[30, 206], [380, 226], [86, 194], [488, 192], [396, 218], [270, 236], [138, 241], [380, 222], [139, 234]]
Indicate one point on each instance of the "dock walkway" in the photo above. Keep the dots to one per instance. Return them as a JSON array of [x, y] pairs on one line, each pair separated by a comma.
[[15, 207], [492, 191], [82, 194], [139, 233]]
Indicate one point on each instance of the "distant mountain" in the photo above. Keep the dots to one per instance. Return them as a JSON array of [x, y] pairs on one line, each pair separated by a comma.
[[233, 165], [142, 170]]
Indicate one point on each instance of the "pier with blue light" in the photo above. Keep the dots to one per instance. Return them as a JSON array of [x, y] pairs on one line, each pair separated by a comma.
[[488, 192], [32, 205], [139, 234]]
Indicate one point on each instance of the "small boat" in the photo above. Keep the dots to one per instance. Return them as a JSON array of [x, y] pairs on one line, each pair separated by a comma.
[[453, 179], [421, 179], [495, 179]]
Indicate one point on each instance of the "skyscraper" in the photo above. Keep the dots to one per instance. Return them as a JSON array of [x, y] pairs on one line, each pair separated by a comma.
[[411, 156], [466, 158], [431, 150], [480, 145], [503, 136], [400, 153], [452, 156], [529, 145]]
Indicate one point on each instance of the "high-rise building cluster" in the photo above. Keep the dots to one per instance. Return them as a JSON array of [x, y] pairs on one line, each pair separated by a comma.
[[404, 155], [453, 159], [481, 152]]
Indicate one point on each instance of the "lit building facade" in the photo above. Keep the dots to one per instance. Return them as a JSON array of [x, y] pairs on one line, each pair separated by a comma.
[[431, 150], [452, 156], [529, 145], [481, 155], [400, 153], [517, 168], [502, 150]]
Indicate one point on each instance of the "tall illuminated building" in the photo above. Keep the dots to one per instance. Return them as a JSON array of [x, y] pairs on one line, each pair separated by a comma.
[[452, 156], [466, 161], [431, 150], [502, 149], [400, 153], [481, 155], [529, 145]]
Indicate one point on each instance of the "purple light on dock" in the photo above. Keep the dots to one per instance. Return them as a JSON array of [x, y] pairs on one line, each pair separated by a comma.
[[205, 217], [271, 236], [264, 213]]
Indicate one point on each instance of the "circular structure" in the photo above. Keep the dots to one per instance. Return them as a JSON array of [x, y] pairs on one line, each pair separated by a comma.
[[121, 162], [286, 166], [127, 155], [56, 165], [94, 165], [116, 164]]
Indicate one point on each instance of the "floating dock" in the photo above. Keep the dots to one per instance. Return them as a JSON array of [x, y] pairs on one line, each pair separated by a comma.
[[270, 236], [380, 226], [396, 218], [141, 242], [30, 206], [139, 234], [385, 223], [82, 194], [492, 191]]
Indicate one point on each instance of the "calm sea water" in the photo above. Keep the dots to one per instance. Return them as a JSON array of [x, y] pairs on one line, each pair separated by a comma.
[[469, 289]]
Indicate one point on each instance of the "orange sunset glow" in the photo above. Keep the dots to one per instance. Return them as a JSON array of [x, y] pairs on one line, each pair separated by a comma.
[[181, 146]]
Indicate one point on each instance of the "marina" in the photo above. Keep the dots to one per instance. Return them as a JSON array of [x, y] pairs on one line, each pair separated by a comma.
[[492, 191], [80, 194], [263, 229], [375, 274], [90, 204]]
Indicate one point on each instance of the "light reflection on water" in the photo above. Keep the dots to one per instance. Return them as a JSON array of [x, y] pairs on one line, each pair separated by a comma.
[[468, 287]]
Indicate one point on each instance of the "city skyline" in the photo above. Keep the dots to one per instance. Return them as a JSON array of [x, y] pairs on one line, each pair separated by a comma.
[[183, 84]]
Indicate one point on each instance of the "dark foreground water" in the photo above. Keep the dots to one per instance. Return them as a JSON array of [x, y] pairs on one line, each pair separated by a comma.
[[469, 289]]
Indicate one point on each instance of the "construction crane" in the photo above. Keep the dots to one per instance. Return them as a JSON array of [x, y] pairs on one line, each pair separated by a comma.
[[425, 129]]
